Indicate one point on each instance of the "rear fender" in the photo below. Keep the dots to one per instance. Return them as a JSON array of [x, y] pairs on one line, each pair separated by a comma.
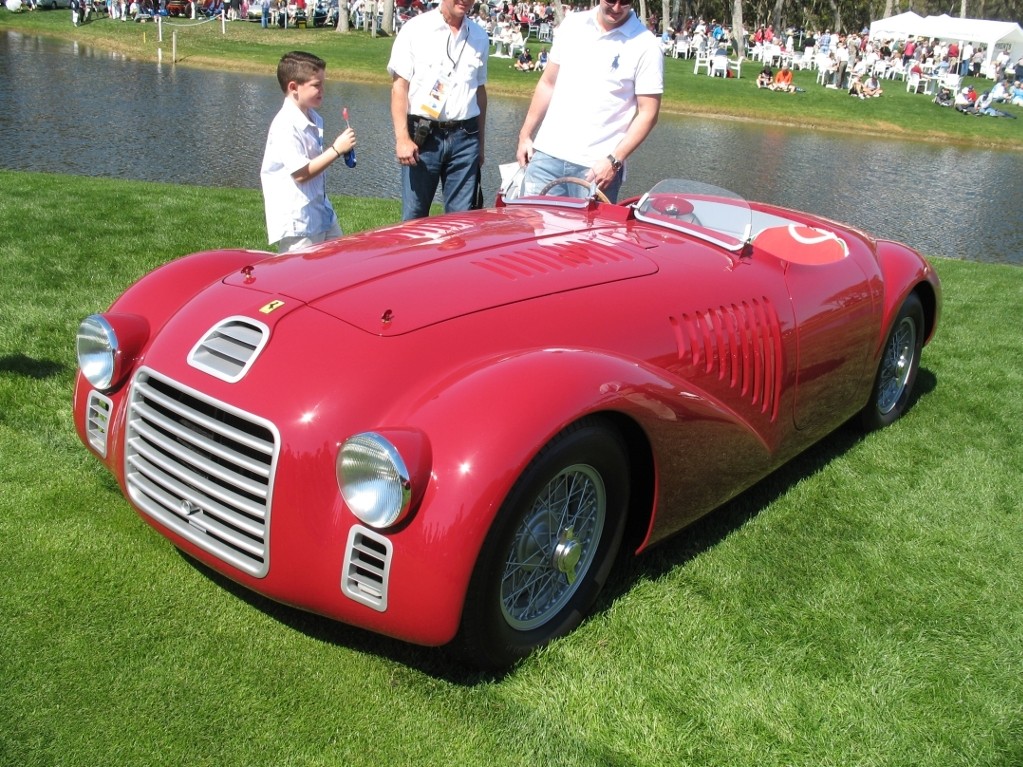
[[906, 271]]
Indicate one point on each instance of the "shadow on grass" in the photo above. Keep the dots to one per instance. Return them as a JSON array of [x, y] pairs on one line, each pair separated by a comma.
[[699, 537], [705, 533], [28, 367]]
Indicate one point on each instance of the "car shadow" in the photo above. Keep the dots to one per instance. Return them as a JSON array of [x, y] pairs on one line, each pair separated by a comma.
[[29, 367], [677, 551], [708, 531]]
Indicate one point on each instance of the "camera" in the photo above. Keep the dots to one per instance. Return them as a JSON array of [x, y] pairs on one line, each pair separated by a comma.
[[421, 131]]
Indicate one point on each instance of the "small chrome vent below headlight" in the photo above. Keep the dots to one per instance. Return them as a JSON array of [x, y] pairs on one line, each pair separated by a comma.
[[366, 568], [97, 421], [229, 348]]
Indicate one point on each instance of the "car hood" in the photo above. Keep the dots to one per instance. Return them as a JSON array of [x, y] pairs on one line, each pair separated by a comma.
[[408, 276]]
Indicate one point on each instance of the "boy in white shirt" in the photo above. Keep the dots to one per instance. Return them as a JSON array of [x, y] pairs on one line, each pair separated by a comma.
[[298, 212]]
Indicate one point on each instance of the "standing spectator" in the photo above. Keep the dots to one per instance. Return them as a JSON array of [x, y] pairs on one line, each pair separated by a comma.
[[76, 8], [595, 103], [264, 13], [841, 62], [298, 212], [824, 44], [438, 68]]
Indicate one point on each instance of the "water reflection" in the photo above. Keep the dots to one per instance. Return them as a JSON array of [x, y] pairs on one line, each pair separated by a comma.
[[75, 109]]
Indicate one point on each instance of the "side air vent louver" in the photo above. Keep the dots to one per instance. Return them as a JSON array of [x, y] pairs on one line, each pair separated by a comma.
[[97, 421], [366, 568], [740, 345], [533, 262], [202, 469], [228, 350]]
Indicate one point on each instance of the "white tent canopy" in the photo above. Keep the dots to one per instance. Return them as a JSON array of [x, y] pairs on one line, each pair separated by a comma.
[[992, 35], [898, 27]]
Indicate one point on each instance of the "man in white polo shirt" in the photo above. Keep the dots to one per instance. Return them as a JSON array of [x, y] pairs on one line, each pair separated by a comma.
[[596, 102]]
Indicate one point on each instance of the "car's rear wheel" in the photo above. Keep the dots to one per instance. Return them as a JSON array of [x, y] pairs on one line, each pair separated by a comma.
[[900, 361], [550, 549]]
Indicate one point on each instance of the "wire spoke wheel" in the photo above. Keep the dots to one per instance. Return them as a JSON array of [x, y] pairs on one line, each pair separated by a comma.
[[896, 365], [553, 547], [550, 548]]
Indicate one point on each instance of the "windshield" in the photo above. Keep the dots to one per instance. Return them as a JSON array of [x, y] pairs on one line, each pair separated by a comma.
[[703, 210]]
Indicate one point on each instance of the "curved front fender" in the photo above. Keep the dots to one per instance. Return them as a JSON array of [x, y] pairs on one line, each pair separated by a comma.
[[487, 424]]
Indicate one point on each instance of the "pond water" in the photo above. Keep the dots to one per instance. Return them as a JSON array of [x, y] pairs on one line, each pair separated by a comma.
[[70, 108]]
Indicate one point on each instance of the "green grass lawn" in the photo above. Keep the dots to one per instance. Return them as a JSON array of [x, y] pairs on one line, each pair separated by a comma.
[[357, 56], [859, 607]]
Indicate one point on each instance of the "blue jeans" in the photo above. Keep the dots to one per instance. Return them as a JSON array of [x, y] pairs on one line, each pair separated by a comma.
[[449, 158], [542, 169]]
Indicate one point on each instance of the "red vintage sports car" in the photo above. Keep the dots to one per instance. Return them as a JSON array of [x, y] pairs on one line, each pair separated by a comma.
[[444, 430]]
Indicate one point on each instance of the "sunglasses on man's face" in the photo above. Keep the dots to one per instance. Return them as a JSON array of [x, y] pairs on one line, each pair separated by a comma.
[[622, 3]]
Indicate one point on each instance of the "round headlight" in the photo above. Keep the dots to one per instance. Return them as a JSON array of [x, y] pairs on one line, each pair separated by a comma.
[[96, 345], [374, 480]]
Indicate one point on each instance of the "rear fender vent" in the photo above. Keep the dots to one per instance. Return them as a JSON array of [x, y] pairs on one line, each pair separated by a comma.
[[229, 348], [366, 568]]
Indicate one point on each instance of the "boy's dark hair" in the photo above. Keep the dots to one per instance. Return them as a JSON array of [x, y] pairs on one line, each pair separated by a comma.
[[298, 67]]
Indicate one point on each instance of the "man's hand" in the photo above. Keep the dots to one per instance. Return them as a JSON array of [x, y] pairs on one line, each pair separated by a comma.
[[407, 151]]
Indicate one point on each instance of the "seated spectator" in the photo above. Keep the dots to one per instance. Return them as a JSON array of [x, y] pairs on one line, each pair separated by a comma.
[[541, 60], [1000, 92], [667, 40], [783, 80], [964, 100], [1017, 93], [765, 78], [515, 41], [872, 87], [856, 87], [524, 63]]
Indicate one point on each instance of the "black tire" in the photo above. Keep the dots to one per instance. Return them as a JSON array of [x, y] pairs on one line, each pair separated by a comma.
[[522, 593], [896, 373]]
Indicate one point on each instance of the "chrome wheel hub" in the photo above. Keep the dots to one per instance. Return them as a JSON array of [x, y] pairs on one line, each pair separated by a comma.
[[553, 547]]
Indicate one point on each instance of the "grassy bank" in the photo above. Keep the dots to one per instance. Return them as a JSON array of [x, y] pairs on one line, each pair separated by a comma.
[[357, 57], [860, 607]]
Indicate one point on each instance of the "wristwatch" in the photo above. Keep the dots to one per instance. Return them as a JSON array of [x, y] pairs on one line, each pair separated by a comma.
[[615, 163]]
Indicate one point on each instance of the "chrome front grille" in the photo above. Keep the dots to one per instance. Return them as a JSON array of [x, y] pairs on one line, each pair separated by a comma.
[[201, 469]]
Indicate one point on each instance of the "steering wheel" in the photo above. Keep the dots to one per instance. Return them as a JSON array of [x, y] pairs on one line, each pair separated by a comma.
[[574, 180]]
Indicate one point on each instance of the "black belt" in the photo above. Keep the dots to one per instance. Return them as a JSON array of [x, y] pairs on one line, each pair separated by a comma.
[[445, 126]]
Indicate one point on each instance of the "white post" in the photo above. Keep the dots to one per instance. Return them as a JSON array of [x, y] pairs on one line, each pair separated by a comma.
[[174, 47], [223, 21], [159, 28]]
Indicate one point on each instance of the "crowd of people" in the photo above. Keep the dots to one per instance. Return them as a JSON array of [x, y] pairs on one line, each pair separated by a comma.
[[856, 63]]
